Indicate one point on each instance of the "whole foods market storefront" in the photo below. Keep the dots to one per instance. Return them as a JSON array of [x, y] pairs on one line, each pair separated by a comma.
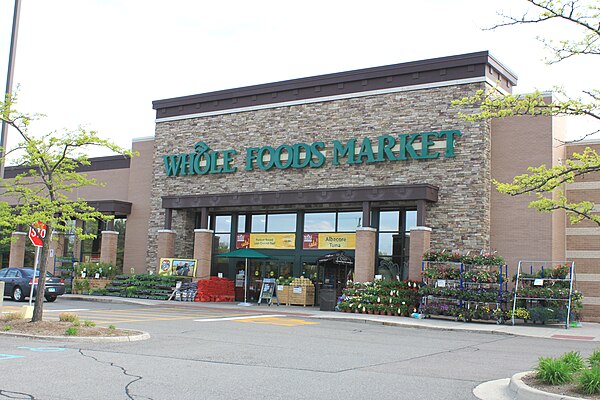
[[297, 228], [372, 162]]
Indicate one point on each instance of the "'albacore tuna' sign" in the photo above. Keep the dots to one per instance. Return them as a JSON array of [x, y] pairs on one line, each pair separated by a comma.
[[413, 146]]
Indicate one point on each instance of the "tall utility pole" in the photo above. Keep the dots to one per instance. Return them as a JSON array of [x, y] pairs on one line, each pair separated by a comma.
[[9, 78]]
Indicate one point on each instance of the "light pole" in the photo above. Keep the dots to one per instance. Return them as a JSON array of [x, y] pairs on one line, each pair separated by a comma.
[[9, 78]]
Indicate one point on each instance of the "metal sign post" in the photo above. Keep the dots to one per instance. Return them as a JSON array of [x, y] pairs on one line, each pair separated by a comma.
[[33, 280], [36, 235]]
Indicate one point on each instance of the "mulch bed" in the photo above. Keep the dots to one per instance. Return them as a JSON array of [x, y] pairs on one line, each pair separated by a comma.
[[55, 328], [568, 389]]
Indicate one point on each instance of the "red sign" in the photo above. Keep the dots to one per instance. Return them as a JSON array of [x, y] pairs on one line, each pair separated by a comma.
[[37, 233]]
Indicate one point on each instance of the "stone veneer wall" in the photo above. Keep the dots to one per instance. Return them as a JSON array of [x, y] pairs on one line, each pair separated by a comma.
[[460, 219]]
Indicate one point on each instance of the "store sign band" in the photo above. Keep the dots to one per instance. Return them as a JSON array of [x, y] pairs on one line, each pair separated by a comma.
[[284, 241], [415, 146]]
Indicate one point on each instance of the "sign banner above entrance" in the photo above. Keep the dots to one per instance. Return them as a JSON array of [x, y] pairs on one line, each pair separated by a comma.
[[328, 241], [266, 241]]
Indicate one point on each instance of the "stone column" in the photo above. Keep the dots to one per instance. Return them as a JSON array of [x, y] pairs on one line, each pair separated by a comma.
[[203, 239], [364, 263], [166, 245], [420, 237], [108, 247], [17, 250]]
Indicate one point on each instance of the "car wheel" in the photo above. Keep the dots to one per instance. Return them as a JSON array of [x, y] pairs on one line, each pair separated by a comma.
[[50, 299], [18, 294]]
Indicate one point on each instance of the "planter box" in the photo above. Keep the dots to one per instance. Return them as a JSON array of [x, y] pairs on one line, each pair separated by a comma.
[[302, 296], [284, 294]]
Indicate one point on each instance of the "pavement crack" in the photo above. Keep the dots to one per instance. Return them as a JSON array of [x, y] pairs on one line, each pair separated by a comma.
[[127, 387], [15, 395]]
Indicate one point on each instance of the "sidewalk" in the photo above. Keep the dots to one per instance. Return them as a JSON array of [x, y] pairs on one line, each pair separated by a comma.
[[588, 331]]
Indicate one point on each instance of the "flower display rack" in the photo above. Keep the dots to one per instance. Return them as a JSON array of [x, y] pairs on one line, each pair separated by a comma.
[[465, 292], [545, 292], [381, 297]]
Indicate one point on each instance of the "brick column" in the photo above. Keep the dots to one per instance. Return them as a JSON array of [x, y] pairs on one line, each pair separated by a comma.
[[166, 245], [17, 250], [364, 263], [420, 237], [108, 247], [203, 239]]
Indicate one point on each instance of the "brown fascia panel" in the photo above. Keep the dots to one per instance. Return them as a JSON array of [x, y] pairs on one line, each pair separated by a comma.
[[96, 164], [111, 207], [301, 197], [436, 70]]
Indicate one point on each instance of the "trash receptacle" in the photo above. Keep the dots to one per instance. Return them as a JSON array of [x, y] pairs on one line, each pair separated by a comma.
[[327, 299]]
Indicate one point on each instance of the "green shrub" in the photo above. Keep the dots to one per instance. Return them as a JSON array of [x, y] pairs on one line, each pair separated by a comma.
[[71, 331], [594, 358], [553, 371], [589, 381], [573, 360], [89, 323], [7, 328], [112, 327], [68, 317]]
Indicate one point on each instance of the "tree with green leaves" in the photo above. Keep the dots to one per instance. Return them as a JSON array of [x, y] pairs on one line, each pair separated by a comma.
[[45, 190], [541, 181]]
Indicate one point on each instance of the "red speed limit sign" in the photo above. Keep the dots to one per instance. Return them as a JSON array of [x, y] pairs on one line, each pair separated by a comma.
[[37, 233]]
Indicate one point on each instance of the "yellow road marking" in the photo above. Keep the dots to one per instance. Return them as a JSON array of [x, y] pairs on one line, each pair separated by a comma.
[[278, 321]]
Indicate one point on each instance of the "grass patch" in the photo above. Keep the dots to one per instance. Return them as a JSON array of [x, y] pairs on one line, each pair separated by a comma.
[[573, 360], [71, 331], [553, 371], [112, 327], [12, 316], [594, 358], [589, 381], [68, 317], [89, 323], [7, 328]]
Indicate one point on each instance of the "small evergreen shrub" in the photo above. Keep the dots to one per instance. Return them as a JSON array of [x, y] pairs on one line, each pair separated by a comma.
[[573, 360], [589, 381], [89, 323], [553, 371], [594, 358], [71, 331]]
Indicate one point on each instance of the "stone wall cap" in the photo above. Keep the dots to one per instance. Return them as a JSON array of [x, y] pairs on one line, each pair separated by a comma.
[[110, 232], [19, 233], [166, 231], [203, 230], [420, 228], [366, 228]]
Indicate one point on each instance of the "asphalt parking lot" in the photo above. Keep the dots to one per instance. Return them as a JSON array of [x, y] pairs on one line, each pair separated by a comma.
[[199, 352]]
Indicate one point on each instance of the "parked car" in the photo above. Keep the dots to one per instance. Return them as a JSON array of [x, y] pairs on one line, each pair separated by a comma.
[[17, 284]]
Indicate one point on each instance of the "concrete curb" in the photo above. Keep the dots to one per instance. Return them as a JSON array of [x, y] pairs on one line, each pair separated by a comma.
[[89, 339], [521, 391]]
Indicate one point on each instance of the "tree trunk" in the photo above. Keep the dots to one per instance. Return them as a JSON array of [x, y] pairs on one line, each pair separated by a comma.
[[38, 309]]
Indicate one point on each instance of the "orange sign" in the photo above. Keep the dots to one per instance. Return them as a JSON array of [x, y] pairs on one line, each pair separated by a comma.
[[266, 241], [328, 241]]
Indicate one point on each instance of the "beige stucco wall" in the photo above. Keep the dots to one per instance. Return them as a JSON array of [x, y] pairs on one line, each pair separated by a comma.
[[138, 193], [519, 232]]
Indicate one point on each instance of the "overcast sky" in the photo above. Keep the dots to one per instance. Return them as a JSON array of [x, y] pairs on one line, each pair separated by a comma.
[[101, 63]]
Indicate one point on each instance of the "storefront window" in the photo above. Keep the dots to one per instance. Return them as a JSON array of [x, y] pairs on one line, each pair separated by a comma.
[[223, 223], [241, 228], [222, 242], [389, 221], [349, 221], [385, 244], [281, 223], [319, 222], [259, 223], [411, 220]]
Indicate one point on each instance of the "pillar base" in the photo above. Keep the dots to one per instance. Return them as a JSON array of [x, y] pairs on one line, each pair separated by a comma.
[[364, 263], [203, 239], [420, 238]]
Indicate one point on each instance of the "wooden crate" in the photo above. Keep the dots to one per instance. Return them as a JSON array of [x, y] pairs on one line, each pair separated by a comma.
[[302, 296], [284, 294]]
